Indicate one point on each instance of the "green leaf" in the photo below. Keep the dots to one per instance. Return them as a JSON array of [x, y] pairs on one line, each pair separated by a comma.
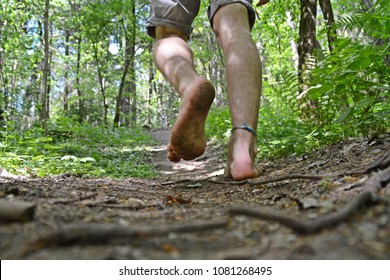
[[343, 116], [38, 158], [87, 159], [51, 147], [364, 102], [43, 139], [359, 64]]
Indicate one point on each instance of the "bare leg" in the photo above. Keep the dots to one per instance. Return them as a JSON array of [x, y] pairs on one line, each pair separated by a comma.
[[243, 68], [174, 59]]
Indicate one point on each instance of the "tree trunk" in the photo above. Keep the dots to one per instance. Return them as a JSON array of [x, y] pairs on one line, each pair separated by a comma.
[[326, 7], [133, 95], [133, 77], [66, 74], [101, 84], [118, 107], [128, 57], [306, 47], [160, 110], [151, 85], [368, 7], [75, 8], [44, 114], [128, 70], [31, 95], [2, 82], [78, 85]]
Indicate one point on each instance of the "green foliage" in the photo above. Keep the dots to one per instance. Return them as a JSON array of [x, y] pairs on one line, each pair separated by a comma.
[[351, 86], [279, 132], [80, 150], [219, 125]]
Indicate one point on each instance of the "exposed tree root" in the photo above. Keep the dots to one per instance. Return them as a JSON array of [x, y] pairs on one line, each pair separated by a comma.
[[382, 162], [254, 182], [88, 196], [85, 234], [370, 195], [308, 226]]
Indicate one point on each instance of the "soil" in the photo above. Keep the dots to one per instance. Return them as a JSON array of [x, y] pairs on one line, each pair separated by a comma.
[[190, 211]]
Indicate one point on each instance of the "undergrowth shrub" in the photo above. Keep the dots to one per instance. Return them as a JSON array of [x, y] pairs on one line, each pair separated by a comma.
[[80, 150], [351, 87]]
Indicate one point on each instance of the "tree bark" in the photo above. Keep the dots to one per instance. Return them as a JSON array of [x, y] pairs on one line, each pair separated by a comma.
[[2, 82], [78, 84], [368, 7], [44, 114], [128, 70], [160, 104], [118, 107], [66, 74], [151, 85], [132, 73], [327, 10], [133, 96], [75, 8], [101, 84], [306, 61]]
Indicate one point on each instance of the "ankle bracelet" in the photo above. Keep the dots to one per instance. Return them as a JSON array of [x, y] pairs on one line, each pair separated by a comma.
[[245, 127]]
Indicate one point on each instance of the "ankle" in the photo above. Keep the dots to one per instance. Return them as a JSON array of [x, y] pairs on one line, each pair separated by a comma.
[[243, 137]]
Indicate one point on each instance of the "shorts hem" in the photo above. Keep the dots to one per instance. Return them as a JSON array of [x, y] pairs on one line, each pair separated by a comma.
[[153, 22]]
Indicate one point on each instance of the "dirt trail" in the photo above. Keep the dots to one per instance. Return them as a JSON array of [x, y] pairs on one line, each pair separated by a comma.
[[210, 164], [192, 212]]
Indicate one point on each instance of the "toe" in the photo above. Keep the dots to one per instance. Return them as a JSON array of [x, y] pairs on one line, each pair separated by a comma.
[[172, 155]]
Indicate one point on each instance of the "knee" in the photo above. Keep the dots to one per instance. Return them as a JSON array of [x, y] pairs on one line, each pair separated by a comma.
[[166, 32], [231, 19]]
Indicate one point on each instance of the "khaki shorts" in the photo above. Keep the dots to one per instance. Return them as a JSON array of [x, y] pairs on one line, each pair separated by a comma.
[[179, 14]]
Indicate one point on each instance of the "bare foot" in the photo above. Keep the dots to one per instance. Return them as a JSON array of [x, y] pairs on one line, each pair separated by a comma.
[[242, 152], [188, 139]]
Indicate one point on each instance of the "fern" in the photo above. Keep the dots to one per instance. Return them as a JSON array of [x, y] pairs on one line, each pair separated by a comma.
[[287, 89], [374, 23]]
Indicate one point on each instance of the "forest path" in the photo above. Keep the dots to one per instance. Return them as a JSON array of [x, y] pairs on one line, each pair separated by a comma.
[[208, 165], [330, 204]]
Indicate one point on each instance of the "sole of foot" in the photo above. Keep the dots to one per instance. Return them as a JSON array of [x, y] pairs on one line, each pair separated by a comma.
[[188, 139]]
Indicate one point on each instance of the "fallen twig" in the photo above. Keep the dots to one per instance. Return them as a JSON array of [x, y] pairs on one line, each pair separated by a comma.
[[102, 234], [66, 201], [128, 207], [289, 177], [271, 180], [176, 182]]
